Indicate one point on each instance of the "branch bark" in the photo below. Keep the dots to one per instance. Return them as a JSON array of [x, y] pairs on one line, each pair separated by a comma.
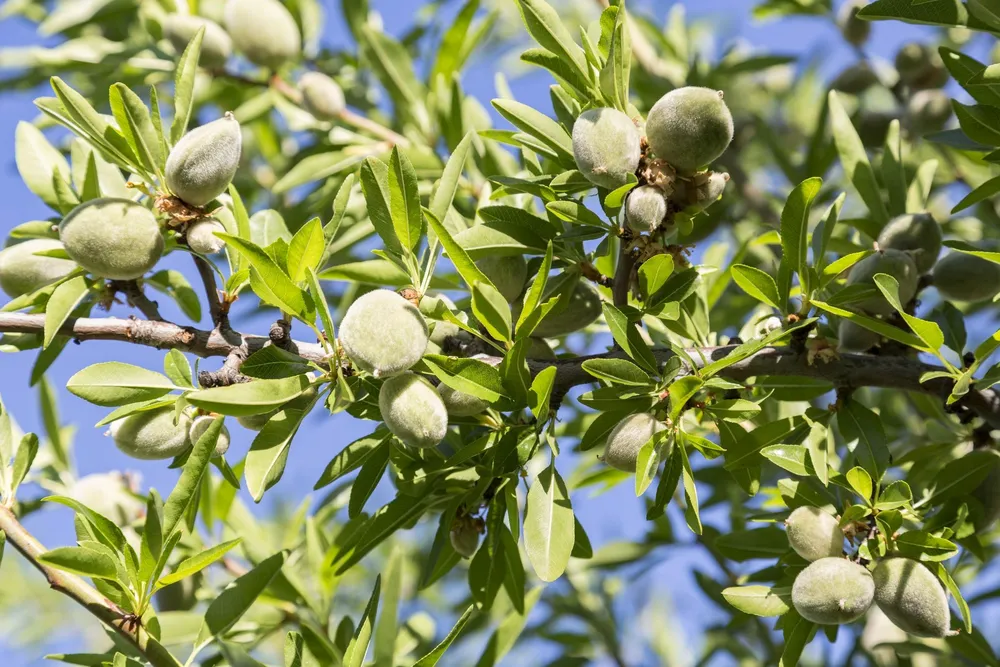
[[848, 371], [83, 593], [219, 317]]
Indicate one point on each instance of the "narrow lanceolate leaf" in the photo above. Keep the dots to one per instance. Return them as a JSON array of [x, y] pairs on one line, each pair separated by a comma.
[[113, 383], [463, 263], [432, 658], [548, 525], [274, 285], [533, 297], [197, 563], [929, 332], [186, 489], [795, 233], [758, 284], [78, 560], [404, 201], [759, 600], [137, 126], [354, 656], [269, 451], [505, 636], [893, 171], [446, 188], [39, 162], [237, 598], [64, 300], [250, 398], [305, 251], [541, 392], [492, 310], [545, 26], [855, 161], [187, 69], [369, 476]]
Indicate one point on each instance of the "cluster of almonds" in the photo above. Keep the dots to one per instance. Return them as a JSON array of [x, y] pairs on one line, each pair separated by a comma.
[[687, 129], [163, 433], [832, 590], [907, 248]]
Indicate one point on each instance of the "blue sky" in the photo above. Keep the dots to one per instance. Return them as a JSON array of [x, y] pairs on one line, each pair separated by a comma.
[[614, 516]]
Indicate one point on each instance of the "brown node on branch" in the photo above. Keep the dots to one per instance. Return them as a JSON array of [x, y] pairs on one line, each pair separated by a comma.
[[178, 212], [590, 272], [410, 294], [280, 335]]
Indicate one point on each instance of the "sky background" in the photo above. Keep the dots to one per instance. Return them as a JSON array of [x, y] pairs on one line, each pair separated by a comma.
[[614, 516]]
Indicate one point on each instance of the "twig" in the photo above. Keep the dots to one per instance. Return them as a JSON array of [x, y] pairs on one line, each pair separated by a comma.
[[377, 129], [220, 317], [83, 593], [137, 298], [849, 370]]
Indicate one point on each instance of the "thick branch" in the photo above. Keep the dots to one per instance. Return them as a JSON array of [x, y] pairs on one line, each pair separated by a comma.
[[83, 593], [848, 371]]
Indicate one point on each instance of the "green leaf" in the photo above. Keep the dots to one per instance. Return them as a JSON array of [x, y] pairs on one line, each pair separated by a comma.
[[237, 598], [945, 577], [78, 560], [113, 383], [541, 392], [691, 510], [795, 236], [176, 286], [492, 310], [354, 656], [250, 398], [979, 122], [197, 563], [368, 478], [628, 338], [510, 628], [272, 362], [431, 659], [545, 26], [184, 76], [929, 332], [278, 289], [654, 274], [137, 126], [861, 482], [895, 495], [893, 171], [469, 376], [958, 477], [862, 429], [872, 324], [444, 192], [793, 458], [926, 547], [548, 525], [758, 284], [64, 300], [177, 368], [855, 161], [948, 13], [39, 163], [617, 371], [533, 297], [269, 451], [681, 391], [797, 633], [185, 491], [550, 133], [759, 600], [352, 457], [614, 76], [404, 201], [741, 545], [305, 250]]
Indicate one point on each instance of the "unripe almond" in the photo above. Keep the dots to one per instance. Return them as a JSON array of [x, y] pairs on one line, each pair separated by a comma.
[[916, 232], [152, 435], [584, 308], [696, 194], [23, 272], [203, 163], [854, 30], [112, 238], [464, 539], [645, 208], [855, 79], [814, 534], [853, 337], [413, 410], [264, 31], [198, 428], [872, 126], [895, 263], [833, 591], [963, 277], [628, 437], [507, 273], [689, 127], [459, 403], [256, 422], [321, 95], [202, 239], [216, 46], [606, 147], [928, 111], [920, 66], [109, 495], [383, 333], [912, 597]]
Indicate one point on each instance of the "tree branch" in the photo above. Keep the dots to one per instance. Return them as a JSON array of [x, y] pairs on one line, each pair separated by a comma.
[[137, 298], [848, 371], [83, 593], [219, 317]]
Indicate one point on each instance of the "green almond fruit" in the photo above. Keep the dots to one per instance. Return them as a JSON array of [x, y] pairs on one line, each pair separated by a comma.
[[264, 31], [854, 30], [216, 46], [920, 66], [645, 208], [383, 333], [116, 239], [853, 337], [689, 127], [464, 539], [606, 147], [814, 534], [583, 309], [872, 126], [23, 272], [855, 79], [896, 263], [179, 596], [198, 428], [916, 232], [203, 163], [507, 273], [628, 437], [321, 96], [110, 495], [833, 591], [153, 434], [911, 596], [963, 277], [256, 422], [698, 193], [201, 236], [460, 404], [928, 111], [413, 411]]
